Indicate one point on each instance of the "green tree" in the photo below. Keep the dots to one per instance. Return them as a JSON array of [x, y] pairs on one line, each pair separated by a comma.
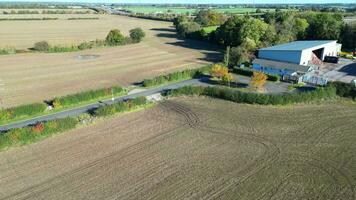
[[242, 54], [209, 18], [348, 36], [324, 26], [41, 46], [187, 28], [137, 34], [115, 37], [236, 29]]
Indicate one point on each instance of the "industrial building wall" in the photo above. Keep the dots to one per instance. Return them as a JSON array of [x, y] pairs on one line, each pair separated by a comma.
[[284, 56], [330, 49], [273, 71]]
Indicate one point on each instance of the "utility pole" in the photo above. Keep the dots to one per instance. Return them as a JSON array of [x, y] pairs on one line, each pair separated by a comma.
[[112, 95]]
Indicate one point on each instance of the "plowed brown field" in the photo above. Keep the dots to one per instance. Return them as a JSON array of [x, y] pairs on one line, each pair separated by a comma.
[[194, 148], [35, 77]]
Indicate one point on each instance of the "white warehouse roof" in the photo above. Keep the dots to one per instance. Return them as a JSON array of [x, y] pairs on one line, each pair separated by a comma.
[[299, 45]]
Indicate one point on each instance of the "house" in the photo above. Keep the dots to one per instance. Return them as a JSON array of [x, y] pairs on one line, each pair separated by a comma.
[[295, 59]]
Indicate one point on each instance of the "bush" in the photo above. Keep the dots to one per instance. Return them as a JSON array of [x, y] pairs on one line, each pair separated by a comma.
[[120, 107], [115, 38], [87, 96], [137, 34], [21, 136], [20, 111], [248, 72], [58, 49], [176, 76], [41, 46], [254, 98], [8, 50], [344, 89]]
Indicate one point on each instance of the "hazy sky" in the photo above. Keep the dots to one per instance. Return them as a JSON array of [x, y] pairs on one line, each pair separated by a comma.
[[196, 1]]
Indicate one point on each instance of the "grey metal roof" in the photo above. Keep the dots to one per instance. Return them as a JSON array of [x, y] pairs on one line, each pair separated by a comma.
[[281, 65], [298, 45]]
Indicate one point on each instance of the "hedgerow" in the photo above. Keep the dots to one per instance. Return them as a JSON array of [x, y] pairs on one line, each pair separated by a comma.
[[87, 96], [247, 72], [344, 89], [255, 98], [22, 111], [21, 136], [120, 107], [176, 76]]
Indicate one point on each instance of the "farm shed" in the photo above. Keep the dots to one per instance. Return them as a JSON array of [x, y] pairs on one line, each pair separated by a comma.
[[301, 52]]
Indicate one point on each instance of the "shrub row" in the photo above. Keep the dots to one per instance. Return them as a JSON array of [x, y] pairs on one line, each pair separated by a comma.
[[255, 98], [247, 72], [176, 76], [7, 51], [120, 107], [21, 136], [344, 89], [83, 18], [87, 96], [21, 111], [28, 19]]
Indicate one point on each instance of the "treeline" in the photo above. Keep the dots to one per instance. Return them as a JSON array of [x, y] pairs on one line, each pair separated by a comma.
[[83, 18], [41, 130], [246, 34], [28, 19], [114, 38], [176, 76], [58, 12], [30, 110], [257, 98]]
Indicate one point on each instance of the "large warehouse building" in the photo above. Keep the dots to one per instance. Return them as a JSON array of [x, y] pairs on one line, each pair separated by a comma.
[[296, 60], [301, 52]]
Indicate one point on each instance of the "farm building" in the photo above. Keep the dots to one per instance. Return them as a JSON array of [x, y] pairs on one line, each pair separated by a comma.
[[301, 52], [295, 58]]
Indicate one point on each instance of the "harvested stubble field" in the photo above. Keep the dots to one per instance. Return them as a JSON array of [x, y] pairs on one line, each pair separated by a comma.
[[194, 148], [34, 77]]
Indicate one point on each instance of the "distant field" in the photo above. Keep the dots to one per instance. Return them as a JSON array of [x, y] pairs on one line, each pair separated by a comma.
[[40, 10], [151, 9], [35, 77], [194, 148]]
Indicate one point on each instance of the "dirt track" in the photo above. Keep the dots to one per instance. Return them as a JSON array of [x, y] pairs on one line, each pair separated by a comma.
[[35, 77], [193, 148]]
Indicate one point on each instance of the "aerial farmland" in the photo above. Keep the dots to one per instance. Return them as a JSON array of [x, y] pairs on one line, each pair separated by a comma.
[[119, 101], [49, 75]]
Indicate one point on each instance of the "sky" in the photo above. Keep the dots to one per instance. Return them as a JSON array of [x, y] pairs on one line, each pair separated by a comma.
[[195, 1]]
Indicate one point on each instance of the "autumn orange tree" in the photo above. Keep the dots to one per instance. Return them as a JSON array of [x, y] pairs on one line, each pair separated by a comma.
[[258, 81], [222, 73], [218, 71]]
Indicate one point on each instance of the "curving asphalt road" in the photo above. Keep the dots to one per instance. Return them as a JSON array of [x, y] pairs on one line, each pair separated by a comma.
[[84, 109]]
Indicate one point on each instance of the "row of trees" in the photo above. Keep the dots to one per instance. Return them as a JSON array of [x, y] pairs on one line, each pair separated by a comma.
[[114, 38]]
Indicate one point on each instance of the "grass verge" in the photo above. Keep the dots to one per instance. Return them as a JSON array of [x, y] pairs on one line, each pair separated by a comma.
[[42, 130]]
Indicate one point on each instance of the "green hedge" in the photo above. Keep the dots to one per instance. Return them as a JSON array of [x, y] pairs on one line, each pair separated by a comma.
[[21, 111], [255, 98], [176, 76], [120, 107], [344, 89], [27, 135], [247, 72], [88, 95]]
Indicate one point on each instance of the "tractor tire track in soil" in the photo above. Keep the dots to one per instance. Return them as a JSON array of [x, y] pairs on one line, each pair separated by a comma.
[[195, 149]]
